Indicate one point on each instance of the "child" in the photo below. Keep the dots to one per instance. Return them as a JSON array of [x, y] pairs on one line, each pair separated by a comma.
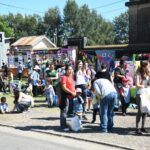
[[96, 107], [125, 95], [49, 93], [77, 105], [3, 105], [41, 86]]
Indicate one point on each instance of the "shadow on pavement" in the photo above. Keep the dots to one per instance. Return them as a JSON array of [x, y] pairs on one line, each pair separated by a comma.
[[128, 114], [40, 105], [39, 101], [39, 128], [48, 118], [87, 128]]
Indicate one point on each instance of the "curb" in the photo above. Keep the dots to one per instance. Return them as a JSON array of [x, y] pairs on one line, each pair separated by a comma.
[[75, 138]]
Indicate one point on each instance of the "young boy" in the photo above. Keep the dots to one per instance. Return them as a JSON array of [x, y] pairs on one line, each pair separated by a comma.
[[77, 105], [96, 107], [125, 95], [3, 105]]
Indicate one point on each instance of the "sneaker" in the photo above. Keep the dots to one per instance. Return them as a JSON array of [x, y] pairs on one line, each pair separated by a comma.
[[143, 130], [66, 129], [138, 131], [110, 130], [103, 131]]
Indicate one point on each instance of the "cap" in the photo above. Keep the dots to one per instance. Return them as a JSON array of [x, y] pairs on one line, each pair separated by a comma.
[[78, 90]]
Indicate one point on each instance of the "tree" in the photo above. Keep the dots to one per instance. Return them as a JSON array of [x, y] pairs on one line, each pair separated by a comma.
[[71, 18], [4, 27], [76, 22], [41, 26], [80, 22], [52, 21], [17, 23], [121, 27], [24, 26]]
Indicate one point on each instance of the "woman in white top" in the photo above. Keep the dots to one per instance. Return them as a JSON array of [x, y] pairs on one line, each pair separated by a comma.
[[80, 81], [142, 82]]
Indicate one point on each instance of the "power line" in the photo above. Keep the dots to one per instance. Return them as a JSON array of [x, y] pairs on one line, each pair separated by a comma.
[[106, 5], [13, 6], [107, 12], [110, 4]]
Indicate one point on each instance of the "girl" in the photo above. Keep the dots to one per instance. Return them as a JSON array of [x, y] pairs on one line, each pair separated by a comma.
[[50, 93], [142, 81]]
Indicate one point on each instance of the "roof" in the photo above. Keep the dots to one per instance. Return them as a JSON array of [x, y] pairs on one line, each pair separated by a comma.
[[118, 46], [136, 2], [31, 41]]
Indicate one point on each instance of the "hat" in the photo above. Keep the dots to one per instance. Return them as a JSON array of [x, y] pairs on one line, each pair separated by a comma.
[[78, 90], [36, 67]]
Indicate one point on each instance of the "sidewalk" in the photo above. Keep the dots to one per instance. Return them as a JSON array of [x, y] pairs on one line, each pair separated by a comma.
[[46, 120]]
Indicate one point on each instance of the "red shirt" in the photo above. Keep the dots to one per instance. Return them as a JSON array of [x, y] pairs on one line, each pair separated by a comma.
[[70, 84]]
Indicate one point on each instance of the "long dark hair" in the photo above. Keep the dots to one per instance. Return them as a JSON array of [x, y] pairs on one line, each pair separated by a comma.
[[143, 70], [79, 61]]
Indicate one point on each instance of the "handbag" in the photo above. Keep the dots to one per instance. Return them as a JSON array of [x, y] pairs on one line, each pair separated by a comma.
[[73, 123]]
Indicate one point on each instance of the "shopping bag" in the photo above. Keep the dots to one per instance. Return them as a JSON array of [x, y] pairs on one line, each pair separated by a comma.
[[145, 103], [73, 123]]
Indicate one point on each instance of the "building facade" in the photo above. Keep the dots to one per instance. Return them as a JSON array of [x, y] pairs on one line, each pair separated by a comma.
[[139, 21]]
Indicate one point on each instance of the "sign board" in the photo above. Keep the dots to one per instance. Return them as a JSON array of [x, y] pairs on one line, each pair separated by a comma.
[[107, 57], [2, 48], [2, 37]]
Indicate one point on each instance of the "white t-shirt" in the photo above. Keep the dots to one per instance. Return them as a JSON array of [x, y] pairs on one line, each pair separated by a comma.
[[103, 87], [145, 82], [80, 77]]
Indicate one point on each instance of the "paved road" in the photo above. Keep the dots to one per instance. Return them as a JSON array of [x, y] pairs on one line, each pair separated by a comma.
[[26, 140], [45, 120]]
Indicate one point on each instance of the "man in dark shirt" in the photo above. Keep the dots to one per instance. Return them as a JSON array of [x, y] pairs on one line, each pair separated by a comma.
[[119, 73], [103, 73]]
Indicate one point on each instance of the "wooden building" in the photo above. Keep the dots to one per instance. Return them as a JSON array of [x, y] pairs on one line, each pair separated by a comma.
[[139, 21], [29, 47]]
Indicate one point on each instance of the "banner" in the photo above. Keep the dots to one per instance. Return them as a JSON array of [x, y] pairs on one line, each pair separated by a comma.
[[10, 60], [107, 57]]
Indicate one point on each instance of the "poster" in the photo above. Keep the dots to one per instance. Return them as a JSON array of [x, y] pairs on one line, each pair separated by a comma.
[[20, 59], [107, 57], [10, 60]]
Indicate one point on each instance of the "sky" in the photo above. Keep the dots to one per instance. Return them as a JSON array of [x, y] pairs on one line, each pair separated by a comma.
[[109, 9]]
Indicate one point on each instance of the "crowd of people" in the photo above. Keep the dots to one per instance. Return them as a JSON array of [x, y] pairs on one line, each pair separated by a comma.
[[75, 88]]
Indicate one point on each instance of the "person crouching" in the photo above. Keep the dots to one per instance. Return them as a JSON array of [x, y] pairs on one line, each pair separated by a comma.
[[22, 101]]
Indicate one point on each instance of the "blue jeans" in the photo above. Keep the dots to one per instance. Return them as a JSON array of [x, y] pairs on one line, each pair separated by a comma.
[[107, 106]]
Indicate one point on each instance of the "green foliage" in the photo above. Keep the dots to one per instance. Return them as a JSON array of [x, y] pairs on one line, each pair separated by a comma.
[[70, 18], [76, 22], [121, 27], [4, 27], [81, 22], [52, 22]]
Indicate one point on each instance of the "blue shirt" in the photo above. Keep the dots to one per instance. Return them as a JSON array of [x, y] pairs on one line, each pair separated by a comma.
[[77, 106]]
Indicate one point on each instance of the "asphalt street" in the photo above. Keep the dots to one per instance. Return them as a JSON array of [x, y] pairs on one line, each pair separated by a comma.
[[13, 139]]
